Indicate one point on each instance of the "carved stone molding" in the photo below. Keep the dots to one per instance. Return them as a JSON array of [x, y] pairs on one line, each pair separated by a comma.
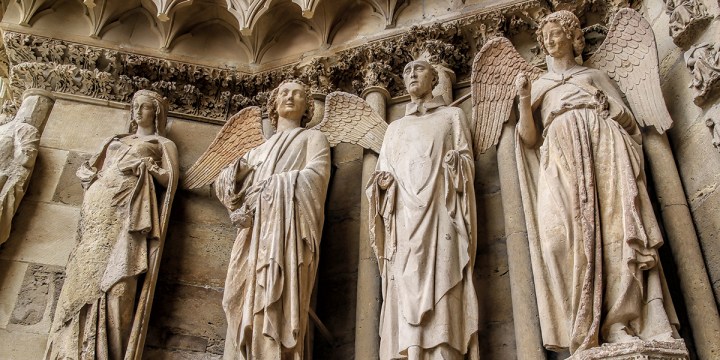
[[703, 61], [212, 94]]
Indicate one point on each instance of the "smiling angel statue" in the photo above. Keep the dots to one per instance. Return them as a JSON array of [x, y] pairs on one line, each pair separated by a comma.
[[275, 192], [593, 234]]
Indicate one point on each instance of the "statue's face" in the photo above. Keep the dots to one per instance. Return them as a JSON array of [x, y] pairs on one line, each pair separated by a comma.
[[290, 103], [556, 41], [144, 109], [418, 77]]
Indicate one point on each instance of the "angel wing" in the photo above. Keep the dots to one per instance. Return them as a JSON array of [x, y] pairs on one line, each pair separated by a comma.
[[241, 133], [492, 85], [629, 56], [350, 119]]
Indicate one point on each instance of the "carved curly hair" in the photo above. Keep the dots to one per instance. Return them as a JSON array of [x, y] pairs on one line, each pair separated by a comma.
[[570, 25], [309, 104]]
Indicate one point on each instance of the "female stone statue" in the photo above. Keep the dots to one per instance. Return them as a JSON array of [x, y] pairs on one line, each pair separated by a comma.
[[595, 236], [275, 194], [129, 187]]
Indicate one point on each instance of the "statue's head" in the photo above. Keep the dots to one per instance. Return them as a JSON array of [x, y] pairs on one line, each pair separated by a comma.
[[148, 106], [559, 32], [420, 78], [291, 100]]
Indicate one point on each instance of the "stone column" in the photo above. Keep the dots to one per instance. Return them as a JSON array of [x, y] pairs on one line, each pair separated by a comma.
[[683, 242], [35, 108], [367, 311], [528, 340]]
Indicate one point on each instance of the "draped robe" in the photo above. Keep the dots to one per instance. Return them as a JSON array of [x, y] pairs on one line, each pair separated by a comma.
[[423, 233], [591, 226], [121, 226], [278, 207]]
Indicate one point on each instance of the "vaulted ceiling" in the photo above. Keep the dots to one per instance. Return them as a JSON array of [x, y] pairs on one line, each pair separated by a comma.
[[229, 32]]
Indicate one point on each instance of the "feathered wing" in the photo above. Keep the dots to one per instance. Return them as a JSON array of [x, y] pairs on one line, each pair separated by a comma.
[[629, 56], [241, 133], [350, 119], [493, 89]]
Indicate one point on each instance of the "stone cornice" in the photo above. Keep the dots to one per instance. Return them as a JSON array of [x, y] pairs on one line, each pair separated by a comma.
[[212, 94]]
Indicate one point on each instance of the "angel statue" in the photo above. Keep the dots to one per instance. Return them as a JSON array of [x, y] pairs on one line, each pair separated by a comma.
[[593, 234], [275, 191], [104, 305], [423, 228]]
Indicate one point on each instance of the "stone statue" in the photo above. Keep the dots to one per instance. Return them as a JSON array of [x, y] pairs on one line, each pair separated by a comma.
[[685, 17], [275, 193], [703, 61], [129, 186], [593, 234], [423, 228], [19, 140]]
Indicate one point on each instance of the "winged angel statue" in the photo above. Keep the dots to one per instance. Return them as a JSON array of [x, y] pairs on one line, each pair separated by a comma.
[[275, 192], [593, 235]]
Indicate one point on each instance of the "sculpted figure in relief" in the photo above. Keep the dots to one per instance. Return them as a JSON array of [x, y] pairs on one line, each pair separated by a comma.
[[593, 234], [703, 61], [18, 149], [19, 139], [423, 228], [684, 15], [275, 192], [129, 186]]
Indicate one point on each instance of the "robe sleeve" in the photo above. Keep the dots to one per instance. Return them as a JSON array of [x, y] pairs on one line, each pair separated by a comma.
[[459, 169]]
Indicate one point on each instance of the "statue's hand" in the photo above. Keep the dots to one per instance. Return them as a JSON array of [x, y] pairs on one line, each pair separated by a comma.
[[451, 159], [522, 84], [385, 179]]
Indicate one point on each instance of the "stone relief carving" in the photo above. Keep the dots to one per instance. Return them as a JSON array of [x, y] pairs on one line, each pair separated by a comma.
[[686, 18], [703, 61], [213, 94], [19, 140], [275, 192], [423, 228], [712, 118], [588, 160], [129, 186]]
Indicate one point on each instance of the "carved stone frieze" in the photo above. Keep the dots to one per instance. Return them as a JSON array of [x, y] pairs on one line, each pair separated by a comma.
[[703, 61], [211, 94]]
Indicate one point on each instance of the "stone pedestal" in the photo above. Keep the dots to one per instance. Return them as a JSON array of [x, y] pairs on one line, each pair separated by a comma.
[[639, 350]]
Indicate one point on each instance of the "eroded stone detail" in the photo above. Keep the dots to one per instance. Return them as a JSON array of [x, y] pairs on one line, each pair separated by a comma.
[[38, 295], [651, 350], [703, 61], [687, 17]]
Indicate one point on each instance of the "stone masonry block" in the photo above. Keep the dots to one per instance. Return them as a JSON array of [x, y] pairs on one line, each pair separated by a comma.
[[43, 233], [37, 299], [68, 119], [69, 190], [12, 274], [48, 167]]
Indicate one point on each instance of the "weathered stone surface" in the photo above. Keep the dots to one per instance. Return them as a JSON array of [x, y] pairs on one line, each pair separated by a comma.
[[17, 345], [43, 233], [153, 353], [197, 254], [12, 274], [37, 298], [199, 206], [69, 190], [95, 123], [191, 138], [649, 350], [187, 318], [48, 167]]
